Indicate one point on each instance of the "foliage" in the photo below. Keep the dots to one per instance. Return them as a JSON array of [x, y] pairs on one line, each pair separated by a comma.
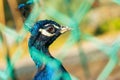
[[108, 26]]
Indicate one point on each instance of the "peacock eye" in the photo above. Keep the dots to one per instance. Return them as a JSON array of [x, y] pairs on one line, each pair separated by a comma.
[[51, 29]]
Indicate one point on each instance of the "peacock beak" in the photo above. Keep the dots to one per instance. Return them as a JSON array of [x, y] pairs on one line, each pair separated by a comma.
[[64, 29]]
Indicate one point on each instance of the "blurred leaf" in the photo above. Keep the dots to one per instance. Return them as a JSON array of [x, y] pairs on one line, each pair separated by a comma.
[[82, 10], [112, 62], [58, 16], [116, 1], [84, 62], [111, 52], [3, 75], [17, 55], [10, 68], [16, 14], [100, 45], [8, 31], [108, 69], [2, 15]]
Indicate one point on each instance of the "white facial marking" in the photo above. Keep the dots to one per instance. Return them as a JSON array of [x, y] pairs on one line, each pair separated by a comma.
[[44, 32], [53, 25], [56, 26], [47, 24]]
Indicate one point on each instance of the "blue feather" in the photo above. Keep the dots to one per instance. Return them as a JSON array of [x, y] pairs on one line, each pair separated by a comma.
[[21, 6], [48, 67]]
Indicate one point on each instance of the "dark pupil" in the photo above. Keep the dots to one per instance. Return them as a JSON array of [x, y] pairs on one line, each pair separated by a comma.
[[51, 29]]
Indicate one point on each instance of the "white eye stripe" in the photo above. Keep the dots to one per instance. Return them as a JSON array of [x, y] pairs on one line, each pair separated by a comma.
[[46, 33], [56, 26], [53, 25], [47, 24]]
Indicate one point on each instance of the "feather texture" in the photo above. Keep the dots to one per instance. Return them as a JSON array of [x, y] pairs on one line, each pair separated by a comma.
[[48, 67]]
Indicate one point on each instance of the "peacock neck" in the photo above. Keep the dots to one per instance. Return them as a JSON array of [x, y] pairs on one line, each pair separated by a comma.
[[39, 56]]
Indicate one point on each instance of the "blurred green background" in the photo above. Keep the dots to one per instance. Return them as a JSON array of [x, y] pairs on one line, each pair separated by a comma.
[[90, 51]]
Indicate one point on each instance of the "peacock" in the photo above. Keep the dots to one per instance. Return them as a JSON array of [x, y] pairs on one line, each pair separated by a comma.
[[43, 34]]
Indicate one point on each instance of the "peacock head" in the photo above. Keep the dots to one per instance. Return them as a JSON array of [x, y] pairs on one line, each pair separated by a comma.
[[45, 32]]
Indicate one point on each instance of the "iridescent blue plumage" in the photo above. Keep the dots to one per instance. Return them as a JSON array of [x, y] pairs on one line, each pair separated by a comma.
[[40, 24], [21, 6], [25, 8], [48, 67], [43, 33]]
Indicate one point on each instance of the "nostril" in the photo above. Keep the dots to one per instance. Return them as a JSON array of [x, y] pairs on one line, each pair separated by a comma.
[[63, 27]]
